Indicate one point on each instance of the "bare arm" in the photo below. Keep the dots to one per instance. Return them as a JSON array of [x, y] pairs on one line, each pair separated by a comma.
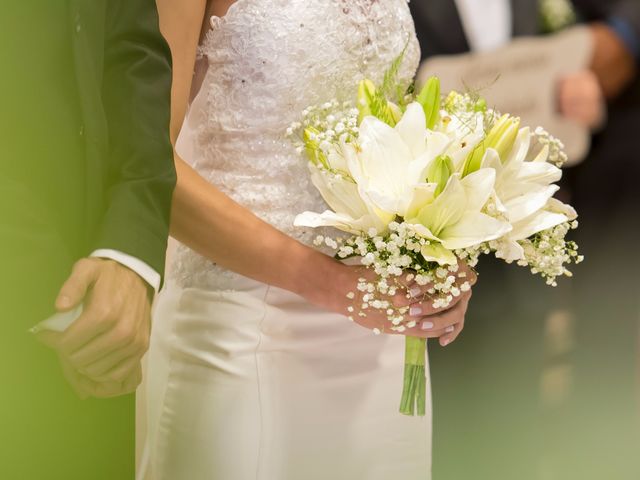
[[203, 217]]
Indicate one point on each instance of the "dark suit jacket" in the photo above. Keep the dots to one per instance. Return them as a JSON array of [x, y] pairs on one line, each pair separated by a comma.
[[440, 29], [117, 94], [124, 79]]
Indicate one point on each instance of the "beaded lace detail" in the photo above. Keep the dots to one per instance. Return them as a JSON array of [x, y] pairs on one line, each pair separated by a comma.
[[267, 60]]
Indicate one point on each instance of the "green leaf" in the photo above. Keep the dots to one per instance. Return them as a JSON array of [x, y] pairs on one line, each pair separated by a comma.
[[429, 98]]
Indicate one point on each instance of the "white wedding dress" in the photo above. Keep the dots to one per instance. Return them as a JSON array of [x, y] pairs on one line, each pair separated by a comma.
[[247, 381]]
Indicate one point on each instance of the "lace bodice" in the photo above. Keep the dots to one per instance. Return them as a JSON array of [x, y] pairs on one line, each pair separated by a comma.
[[267, 60]]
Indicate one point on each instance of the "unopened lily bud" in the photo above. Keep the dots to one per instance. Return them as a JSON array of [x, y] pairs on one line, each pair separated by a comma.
[[429, 98], [503, 135], [474, 160], [366, 92], [439, 172]]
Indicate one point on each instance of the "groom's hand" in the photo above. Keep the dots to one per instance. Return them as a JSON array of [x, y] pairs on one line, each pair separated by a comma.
[[107, 342], [86, 388]]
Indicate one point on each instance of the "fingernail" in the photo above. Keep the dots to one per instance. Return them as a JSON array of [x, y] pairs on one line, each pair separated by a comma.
[[450, 329], [446, 342], [415, 292], [415, 311], [427, 325]]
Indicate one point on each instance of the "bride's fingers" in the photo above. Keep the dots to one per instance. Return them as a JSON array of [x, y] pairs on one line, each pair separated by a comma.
[[410, 294], [413, 293], [451, 333], [466, 273], [444, 320], [419, 333], [429, 308]]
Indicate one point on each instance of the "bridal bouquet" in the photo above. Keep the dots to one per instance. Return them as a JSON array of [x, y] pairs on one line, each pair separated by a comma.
[[421, 183]]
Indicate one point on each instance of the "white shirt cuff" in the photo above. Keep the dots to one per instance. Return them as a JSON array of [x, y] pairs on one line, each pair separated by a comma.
[[147, 273]]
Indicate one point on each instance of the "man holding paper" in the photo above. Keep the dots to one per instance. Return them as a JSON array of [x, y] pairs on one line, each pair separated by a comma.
[[86, 179], [602, 99]]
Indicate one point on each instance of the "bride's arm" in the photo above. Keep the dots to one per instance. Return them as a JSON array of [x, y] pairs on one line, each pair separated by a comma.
[[212, 224], [207, 220]]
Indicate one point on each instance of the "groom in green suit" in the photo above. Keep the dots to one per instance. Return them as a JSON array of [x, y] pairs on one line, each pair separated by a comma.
[[86, 180]]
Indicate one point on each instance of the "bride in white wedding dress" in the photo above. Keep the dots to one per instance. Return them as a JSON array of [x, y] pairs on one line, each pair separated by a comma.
[[254, 371]]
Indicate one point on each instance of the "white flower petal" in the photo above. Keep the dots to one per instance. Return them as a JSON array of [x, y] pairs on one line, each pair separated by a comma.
[[543, 220], [437, 143], [510, 251], [423, 194], [479, 187], [340, 194], [384, 160], [412, 127], [523, 206], [353, 162], [557, 206], [341, 222], [543, 155], [540, 173], [420, 230], [337, 161], [472, 229], [393, 204], [491, 159], [447, 208], [520, 148], [435, 252]]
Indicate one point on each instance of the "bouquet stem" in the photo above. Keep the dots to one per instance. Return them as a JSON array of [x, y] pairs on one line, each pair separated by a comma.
[[414, 390]]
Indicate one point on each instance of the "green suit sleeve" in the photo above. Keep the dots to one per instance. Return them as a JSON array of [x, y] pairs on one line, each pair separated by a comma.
[[136, 96]]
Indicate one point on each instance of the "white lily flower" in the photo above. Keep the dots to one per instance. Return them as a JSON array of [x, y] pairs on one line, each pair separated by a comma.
[[350, 213], [523, 187], [525, 191], [554, 213], [390, 164], [465, 134], [454, 220]]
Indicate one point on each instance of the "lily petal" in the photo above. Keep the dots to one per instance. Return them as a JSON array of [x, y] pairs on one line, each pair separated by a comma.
[[557, 206], [413, 130], [538, 172], [510, 251], [340, 194], [342, 222], [423, 194], [473, 228], [435, 252], [523, 206], [479, 186], [539, 222], [520, 147], [447, 209]]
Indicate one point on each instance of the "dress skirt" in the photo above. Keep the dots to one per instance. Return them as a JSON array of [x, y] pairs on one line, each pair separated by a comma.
[[255, 383]]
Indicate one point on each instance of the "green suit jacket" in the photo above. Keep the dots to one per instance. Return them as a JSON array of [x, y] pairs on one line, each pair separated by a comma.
[[123, 75]]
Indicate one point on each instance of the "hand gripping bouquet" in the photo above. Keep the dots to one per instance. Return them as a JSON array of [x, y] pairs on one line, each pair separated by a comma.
[[420, 183]]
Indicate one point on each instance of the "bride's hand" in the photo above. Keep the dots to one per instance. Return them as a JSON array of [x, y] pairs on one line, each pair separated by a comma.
[[430, 322]]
